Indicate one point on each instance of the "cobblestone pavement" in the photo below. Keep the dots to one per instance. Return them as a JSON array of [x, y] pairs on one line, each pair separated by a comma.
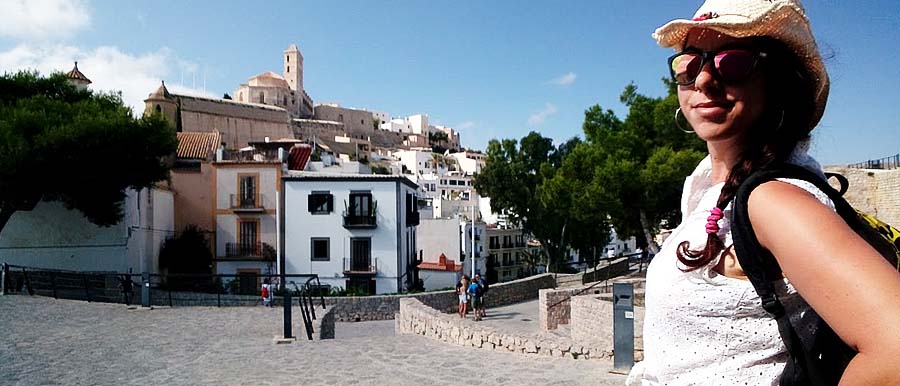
[[61, 342]]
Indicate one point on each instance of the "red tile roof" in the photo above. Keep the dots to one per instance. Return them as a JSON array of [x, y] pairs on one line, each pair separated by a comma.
[[197, 145], [443, 264], [299, 156], [77, 75]]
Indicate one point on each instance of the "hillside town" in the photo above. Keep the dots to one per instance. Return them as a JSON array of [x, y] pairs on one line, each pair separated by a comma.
[[280, 183]]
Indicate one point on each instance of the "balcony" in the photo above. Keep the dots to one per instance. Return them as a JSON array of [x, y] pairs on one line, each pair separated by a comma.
[[520, 244], [255, 155], [249, 251], [360, 267], [507, 245], [241, 203], [360, 221]]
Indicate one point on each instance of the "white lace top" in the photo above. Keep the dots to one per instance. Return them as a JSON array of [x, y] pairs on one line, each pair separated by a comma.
[[702, 328]]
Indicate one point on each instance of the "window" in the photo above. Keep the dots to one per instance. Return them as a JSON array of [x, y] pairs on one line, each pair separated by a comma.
[[262, 97], [247, 187], [495, 242], [321, 203], [340, 117], [443, 182], [288, 68], [158, 109], [287, 58], [360, 204], [361, 254], [248, 235], [320, 250]]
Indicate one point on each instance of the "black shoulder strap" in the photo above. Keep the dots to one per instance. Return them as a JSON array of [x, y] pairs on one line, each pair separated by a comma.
[[760, 265]]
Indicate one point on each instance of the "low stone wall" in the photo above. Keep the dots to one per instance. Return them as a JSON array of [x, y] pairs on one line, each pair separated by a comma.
[[417, 318], [615, 268], [592, 322], [384, 307], [554, 307]]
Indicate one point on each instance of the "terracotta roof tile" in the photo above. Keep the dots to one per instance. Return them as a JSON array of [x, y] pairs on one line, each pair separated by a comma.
[[197, 145], [77, 75]]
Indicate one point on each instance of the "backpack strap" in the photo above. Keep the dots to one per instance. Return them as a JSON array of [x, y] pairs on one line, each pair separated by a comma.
[[761, 267]]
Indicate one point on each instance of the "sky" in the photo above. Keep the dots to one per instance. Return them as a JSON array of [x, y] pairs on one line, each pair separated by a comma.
[[491, 69]]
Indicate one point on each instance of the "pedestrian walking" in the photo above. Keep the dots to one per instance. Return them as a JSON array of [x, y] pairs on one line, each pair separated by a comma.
[[266, 293], [482, 291], [473, 291]]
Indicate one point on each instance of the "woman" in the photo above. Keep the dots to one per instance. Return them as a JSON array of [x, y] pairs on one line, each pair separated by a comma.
[[752, 85], [461, 291]]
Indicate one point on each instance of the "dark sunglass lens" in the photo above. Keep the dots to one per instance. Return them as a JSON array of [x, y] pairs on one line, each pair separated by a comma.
[[685, 68], [734, 65]]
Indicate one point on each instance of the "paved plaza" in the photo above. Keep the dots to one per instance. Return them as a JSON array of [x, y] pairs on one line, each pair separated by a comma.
[[63, 342]]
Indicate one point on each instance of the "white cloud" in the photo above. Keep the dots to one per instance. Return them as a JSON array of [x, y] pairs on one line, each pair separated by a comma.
[[466, 125], [110, 69], [42, 20], [564, 80], [541, 115]]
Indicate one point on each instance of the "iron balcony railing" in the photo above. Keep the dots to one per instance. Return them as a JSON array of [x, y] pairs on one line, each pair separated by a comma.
[[360, 220], [261, 251], [357, 266], [246, 203]]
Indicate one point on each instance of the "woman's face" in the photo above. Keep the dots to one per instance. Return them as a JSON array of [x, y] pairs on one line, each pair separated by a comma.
[[718, 111]]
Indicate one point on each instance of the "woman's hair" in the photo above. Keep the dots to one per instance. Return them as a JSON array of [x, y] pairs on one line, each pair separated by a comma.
[[785, 121]]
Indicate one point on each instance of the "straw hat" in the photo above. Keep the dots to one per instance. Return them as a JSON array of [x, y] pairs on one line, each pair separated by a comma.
[[784, 20]]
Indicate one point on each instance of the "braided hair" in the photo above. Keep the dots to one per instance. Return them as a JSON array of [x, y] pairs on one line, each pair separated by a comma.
[[785, 122]]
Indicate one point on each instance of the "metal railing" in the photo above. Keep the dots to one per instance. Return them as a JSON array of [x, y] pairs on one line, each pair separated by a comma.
[[242, 202], [261, 251], [256, 155], [892, 162], [167, 289], [360, 266], [355, 220]]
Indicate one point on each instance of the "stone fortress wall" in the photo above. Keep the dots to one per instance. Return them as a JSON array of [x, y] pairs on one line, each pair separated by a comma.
[[873, 191], [238, 123]]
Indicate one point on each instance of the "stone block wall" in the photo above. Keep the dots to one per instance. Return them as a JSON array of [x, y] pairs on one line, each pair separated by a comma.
[[417, 318], [384, 307], [615, 268], [592, 322], [876, 192], [554, 307]]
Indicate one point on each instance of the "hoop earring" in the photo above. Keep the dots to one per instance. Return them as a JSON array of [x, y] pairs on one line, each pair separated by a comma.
[[678, 122]]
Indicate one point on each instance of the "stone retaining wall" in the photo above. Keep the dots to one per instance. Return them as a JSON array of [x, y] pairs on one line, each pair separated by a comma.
[[417, 318], [615, 268], [384, 307], [554, 307], [592, 322]]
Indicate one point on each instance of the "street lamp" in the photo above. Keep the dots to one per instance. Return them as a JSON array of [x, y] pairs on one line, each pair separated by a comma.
[[471, 201]]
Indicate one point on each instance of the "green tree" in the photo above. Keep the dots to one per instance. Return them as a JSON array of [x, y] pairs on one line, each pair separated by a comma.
[[635, 169], [75, 146], [520, 178]]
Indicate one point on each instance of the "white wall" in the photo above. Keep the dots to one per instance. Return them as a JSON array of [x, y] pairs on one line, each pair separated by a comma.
[[437, 280], [439, 236], [51, 236], [389, 238]]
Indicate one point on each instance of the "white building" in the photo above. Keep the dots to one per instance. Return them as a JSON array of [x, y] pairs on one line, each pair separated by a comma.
[[469, 162], [442, 249], [51, 236], [354, 231]]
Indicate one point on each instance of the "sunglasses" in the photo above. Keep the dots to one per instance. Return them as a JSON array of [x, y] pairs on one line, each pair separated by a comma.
[[730, 66]]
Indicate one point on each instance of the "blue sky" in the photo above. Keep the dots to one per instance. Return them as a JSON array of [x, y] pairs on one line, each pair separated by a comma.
[[492, 69]]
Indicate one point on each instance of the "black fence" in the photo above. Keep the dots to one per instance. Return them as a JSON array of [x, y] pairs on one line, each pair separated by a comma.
[[244, 289], [892, 162]]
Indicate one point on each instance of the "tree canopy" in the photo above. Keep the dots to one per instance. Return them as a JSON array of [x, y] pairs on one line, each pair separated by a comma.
[[82, 148], [625, 173]]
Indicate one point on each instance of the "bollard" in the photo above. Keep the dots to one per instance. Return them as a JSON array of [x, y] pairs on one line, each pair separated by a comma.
[[145, 294], [288, 334], [623, 326]]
